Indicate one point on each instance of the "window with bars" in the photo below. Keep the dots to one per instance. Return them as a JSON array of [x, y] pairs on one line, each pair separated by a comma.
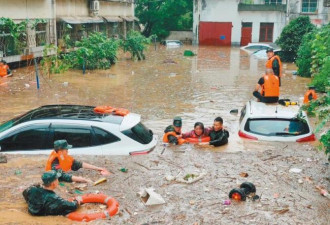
[[266, 32], [273, 2], [309, 6]]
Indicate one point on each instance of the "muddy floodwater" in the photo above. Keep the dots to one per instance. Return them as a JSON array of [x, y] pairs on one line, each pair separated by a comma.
[[165, 85]]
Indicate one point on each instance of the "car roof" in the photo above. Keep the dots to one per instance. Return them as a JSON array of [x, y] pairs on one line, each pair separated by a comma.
[[274, 110], [76, 112]]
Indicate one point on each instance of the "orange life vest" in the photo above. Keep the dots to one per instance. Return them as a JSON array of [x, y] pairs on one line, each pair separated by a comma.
[[180, 140], [269, 64], [3, 70], [271, 86], [309, 93], [64, 159]]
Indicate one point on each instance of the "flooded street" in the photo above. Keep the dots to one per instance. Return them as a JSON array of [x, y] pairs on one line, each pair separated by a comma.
[[165, 85]]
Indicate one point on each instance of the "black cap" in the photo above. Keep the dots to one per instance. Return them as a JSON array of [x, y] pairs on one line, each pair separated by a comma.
[[269, 50], [177, 121], [50, 176]]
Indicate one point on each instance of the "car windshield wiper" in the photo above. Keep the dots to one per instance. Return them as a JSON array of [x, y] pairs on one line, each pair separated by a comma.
[[287, 133]]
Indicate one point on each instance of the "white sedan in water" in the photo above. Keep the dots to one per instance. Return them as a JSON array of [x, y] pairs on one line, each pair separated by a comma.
[[274, 122], [90, 133], [258, 50]]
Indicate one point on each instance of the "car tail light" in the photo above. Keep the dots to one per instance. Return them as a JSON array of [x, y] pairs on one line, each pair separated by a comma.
[[142, 152], [308, 138], [244, 135]]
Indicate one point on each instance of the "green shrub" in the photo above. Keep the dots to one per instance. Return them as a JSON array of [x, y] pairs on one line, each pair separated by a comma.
[[291, 37], [52, 61], [322, 80], [135, 43], [304, 55], [94, 52]]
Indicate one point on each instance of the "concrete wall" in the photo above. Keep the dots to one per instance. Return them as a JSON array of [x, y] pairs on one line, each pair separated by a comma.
[[321, 17], [26, 9], [66, 8], [180, 35], [116, 9], [226, 11]]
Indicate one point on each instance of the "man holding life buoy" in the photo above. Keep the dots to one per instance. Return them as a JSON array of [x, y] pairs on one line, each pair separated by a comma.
[[60, 160], [218, 135], [310, 95], [274, 63], [43, 201], [270, 88], [173, 132], [4, 69]]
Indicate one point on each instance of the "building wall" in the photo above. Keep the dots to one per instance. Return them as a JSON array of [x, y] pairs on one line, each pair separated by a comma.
[[185, 36], [26, 9], [227, 11], [68, 8], [321, 17], [116, 9]]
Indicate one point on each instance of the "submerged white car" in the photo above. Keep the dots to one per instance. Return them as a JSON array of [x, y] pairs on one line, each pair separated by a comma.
[[90, 133], [172, 43], [274, 122]]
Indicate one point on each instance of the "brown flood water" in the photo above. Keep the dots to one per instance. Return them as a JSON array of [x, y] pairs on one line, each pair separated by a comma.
[[165, 85]]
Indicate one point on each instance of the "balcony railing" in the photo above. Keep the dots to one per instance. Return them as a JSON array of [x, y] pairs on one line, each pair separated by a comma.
[[262, 5]]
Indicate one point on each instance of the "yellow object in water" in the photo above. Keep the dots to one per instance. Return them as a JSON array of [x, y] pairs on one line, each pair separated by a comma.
[[100, 181], [287, 103]]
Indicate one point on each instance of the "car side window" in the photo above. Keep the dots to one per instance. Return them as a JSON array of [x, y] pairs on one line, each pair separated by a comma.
[[77, 137], [29, 139], [104, 137]]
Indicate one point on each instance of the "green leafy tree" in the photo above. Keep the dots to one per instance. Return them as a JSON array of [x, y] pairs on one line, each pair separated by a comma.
[[291, 37], [135, 43], [94, 52], [161, 16], [304, 55]]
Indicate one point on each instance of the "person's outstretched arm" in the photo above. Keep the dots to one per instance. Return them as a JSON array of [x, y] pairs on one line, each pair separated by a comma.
[[92, 167]]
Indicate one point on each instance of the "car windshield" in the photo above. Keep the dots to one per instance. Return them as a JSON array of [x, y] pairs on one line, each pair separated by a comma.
[[277, 127], [140, 134]]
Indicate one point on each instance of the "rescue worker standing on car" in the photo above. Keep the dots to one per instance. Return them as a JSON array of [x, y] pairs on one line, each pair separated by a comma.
[[43, 201], [270, 89], [60, 160], [173, 132], [274, 63]]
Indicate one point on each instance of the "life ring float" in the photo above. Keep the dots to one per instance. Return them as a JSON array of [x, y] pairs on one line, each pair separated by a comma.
[[104, 109], [111, 110], [112, 208], [121, 111], [197, 140], [180, 140]]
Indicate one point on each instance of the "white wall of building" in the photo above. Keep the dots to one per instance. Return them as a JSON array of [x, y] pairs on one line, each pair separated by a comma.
[[26, 9], [72, 8], [116, 9], [227, 11]]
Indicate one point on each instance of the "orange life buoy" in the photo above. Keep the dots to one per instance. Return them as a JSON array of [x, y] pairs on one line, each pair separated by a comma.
[[112, 208], [310, 95], [110, 109], [121, 111], [180, 140], [104, 109], [198, 140]]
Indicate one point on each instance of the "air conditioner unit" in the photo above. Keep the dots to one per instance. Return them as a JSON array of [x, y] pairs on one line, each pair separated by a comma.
[[95, 6]]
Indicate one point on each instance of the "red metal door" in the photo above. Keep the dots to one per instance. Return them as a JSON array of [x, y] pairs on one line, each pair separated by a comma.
[[215, 33], [246, 34]]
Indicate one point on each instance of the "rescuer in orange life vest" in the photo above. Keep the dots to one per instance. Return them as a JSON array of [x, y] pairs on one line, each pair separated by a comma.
[[310, 95], [4, 69], [59, 160], [270, 89], [274, 62], [173, 133]]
